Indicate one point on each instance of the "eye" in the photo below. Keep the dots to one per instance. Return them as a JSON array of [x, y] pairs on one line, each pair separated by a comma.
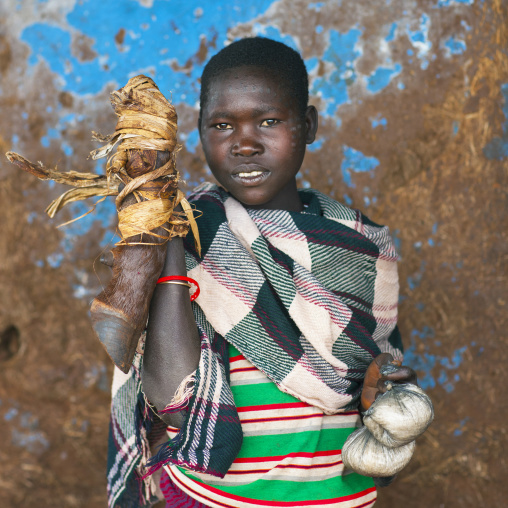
[[269, 122], [223, 126]]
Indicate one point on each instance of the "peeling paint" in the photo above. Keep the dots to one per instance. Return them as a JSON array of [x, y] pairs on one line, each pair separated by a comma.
[[420, 40], [433, 369], [339, 58], [382, 77], [356, 162]]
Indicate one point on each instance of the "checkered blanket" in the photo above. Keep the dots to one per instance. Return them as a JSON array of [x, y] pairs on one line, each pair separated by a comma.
[[309, 298]]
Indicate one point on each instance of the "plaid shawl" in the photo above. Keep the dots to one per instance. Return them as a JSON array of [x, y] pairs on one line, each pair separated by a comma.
[[309, 298]]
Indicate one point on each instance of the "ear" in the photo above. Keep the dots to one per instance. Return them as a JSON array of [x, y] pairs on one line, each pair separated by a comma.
[[311, 124]]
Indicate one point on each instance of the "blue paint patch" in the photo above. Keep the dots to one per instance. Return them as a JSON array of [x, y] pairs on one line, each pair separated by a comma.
[[29, 421], [446, 3], [355, 161], [415, 280], [401, 86], [34, 442], [104, 213], [10, 414], [319, 29], [303, 183], [342, 53], [391, 35], [376, 122], [316, 145], [455, 127], [67, 149], [155, 39], [418, 357], [420, 40], [191, 140], [460, 429], [455, 46], [316, 6], [455, 360], [347, 200], [467, 27], [497, 148], [55, 260], [381, 78], [273, 32], [109, 239]]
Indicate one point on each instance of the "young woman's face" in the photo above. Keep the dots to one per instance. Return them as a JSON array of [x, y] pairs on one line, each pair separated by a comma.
[[254, 137]]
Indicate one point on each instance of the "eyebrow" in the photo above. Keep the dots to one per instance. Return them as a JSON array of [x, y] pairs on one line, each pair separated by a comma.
[[255, 112]]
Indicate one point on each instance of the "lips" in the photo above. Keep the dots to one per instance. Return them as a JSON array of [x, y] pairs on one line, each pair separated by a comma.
[[250, 174]]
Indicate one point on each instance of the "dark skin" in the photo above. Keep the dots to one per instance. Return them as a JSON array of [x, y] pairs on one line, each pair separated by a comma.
[[254, 138]]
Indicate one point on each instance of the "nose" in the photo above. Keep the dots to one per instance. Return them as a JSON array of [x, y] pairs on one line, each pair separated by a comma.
[[246, 144]]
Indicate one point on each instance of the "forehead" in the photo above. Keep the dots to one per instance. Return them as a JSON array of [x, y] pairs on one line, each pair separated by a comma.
[[245, 85]]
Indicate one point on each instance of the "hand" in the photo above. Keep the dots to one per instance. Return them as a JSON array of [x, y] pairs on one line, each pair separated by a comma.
[[374, 382]]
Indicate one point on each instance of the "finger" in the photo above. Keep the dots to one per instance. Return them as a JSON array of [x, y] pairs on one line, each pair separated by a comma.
[[383, 359], [402, 375]]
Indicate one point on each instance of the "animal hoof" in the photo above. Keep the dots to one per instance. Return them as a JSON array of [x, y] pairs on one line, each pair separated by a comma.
[[116, 333]]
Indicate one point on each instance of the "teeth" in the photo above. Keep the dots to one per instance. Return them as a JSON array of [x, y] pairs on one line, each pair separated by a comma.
[[250, 175]]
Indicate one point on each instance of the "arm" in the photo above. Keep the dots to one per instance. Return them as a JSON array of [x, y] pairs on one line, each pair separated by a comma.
[[172, 348]]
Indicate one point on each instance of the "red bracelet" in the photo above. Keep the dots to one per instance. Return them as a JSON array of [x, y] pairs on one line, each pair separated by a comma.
[[170, 278]]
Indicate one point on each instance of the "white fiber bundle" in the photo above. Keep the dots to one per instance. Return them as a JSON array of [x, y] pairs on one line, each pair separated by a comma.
[[365, 455], [399, 415]]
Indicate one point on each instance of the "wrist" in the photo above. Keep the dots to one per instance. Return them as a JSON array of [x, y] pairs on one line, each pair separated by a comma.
[[175, 258]]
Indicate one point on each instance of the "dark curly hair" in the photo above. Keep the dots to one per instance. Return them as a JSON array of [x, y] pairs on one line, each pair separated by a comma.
[[266, 54]]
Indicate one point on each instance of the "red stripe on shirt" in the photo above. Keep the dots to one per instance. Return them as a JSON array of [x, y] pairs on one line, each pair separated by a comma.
[[275, 503], [263, 407], [282, 418], [295, 454]]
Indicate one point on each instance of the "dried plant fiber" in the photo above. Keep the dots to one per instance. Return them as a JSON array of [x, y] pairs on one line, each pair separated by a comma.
[[147, 124]]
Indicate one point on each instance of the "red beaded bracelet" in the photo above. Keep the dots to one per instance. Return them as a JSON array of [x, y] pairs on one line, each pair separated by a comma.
[[171, 279]]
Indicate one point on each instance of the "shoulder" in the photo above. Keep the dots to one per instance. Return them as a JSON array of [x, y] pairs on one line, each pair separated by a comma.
[[357, 221]]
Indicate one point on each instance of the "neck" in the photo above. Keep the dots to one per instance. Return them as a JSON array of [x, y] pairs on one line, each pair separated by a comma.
[[288, 200]]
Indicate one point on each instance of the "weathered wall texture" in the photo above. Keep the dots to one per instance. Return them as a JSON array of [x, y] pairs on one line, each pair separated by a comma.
[[413, 101]]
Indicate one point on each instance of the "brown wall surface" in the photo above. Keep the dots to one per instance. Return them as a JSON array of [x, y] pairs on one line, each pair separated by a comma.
[[413, 101]]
